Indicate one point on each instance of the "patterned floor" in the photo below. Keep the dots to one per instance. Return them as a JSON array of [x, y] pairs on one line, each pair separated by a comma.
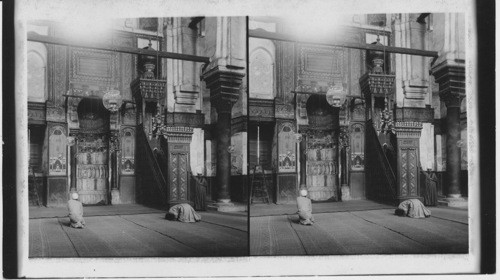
[[144, 235], [360, 232]]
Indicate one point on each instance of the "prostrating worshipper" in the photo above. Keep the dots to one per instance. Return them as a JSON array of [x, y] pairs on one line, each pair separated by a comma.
[[413, 208], [75, 209], [183, 213], [305, 209]]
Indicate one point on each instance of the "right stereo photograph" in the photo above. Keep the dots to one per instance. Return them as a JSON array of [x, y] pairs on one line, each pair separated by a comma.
[[357, 135]]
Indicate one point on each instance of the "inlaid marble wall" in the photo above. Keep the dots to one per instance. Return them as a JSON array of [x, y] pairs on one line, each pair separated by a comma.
[[57, 150]]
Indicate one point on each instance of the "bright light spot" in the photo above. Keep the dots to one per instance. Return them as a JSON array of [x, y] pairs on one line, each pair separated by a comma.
[[88, 29], [316, 28]]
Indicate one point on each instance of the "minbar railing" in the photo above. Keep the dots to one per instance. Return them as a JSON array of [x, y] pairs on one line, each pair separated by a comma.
[[152, 184], [381, 183]]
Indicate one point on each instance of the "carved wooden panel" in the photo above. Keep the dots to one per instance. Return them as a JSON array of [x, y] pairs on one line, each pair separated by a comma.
[[128, 151], [179, 172], [286, 148], [408, 172], [57, 150]]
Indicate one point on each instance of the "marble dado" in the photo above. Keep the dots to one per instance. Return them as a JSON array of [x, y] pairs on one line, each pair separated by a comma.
[[92, 171]]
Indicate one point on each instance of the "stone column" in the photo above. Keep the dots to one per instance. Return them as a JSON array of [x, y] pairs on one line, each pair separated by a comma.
[[224, 91], [114, 147], [223, 76], [451, 79]]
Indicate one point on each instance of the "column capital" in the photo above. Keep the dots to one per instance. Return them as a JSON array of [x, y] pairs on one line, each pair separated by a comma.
[[224, 83], [450, 75]]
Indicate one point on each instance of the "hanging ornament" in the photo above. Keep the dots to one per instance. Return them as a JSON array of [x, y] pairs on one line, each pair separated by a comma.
[[112, 100], [336, 95]]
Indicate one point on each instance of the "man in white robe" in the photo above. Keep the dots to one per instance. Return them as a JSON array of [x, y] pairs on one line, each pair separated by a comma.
[[75, 209], [305, 209]]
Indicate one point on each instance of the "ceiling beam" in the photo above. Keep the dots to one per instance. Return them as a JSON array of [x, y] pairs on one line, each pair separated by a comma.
[[33, 37], [262, 34]]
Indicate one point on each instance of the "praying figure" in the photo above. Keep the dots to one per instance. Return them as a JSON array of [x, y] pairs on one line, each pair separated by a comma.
[[305, 209], [183, 213], [75, 209], [413, 208]]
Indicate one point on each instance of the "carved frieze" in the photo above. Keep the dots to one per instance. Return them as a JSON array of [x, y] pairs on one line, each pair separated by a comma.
[[377, 84], [260, 108], [178, 134], [284, 111], [185, 119], [36, 112], [408, 129], [55, 114], [415, 114], [148, 89]]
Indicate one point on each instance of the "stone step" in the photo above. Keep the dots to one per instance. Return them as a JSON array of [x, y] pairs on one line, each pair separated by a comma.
[[228, 207], [454, 202]]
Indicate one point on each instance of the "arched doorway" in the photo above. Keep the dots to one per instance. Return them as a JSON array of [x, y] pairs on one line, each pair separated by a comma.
[[92, 169]]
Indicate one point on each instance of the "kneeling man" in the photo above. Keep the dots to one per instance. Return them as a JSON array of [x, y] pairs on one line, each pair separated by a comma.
[[305, 209], [75, 209]]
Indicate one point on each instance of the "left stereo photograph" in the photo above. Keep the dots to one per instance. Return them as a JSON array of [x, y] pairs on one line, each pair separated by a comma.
[[137, 137]]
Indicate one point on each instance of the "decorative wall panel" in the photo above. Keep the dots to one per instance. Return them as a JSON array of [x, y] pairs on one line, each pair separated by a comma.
[[285, 71], [128, 151], [57, 150], [58, 73], [261, 74], [286, 148], [357, 147], [94, 67]]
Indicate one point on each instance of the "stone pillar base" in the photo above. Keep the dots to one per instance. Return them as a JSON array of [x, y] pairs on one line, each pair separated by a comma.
[[115, 197], [345, 190], [227, 207], [459, 202]]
